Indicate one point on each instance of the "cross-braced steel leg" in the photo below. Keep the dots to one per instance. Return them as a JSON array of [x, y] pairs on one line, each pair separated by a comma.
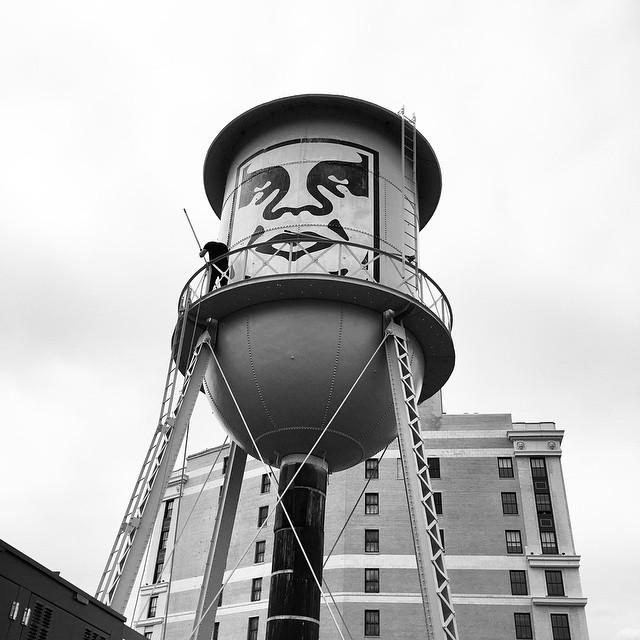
[[434, 584], [128, 549]]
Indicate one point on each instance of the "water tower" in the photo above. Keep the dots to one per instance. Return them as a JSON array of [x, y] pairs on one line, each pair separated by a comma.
[[313, 333]]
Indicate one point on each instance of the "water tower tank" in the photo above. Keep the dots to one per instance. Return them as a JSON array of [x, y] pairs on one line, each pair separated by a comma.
[[320, 209]]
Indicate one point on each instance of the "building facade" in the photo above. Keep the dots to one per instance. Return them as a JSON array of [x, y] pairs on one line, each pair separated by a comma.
[[503, 514]]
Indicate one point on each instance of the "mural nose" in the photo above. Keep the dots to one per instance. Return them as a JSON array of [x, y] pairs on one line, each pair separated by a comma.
[[293, 211], [296, 200]]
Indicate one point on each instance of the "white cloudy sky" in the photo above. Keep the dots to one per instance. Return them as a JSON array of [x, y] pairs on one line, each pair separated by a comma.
[[106, 112]]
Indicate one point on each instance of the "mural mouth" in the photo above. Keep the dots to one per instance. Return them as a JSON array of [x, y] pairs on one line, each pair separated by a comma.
[[309, 241]]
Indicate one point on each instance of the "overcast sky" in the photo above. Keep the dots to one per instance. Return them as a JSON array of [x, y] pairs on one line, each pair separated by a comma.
[[106, 113]]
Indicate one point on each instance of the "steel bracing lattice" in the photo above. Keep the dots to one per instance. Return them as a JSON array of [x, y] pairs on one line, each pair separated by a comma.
[[432, 574]]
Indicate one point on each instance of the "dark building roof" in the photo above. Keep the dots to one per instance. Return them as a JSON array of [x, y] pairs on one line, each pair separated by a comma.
[[33, 597]]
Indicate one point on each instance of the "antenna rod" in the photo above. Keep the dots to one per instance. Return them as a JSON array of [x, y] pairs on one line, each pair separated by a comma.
[[193, 230]]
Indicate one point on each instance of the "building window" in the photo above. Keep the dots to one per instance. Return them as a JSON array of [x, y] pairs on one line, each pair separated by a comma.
[[252, 629], [442, 538], [518, 583], [371, 503], [372, 622], [263, 514], [256, 589], [523, 626], [514, 542], [509, 503], [549, 544], [543, 503], [560, 626], [434, 467], [164, 538], [372, 580], [399, 472], [148, 634], [372, 541], [259, 554], [555, 585], [265, 484], [164, 541], [153, 607], [437, 502], [216, 630], [371, 468], [505, 468], [225, 464], [220, 598], [538, 469]]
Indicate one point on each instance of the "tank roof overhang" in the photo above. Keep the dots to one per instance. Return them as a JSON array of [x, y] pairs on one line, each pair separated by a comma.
[[223, 148]]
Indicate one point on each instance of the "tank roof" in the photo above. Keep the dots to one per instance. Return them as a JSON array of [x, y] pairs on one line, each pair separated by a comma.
[[221, 151]]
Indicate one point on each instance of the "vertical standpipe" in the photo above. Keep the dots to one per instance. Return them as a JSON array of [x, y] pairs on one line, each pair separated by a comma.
[[296, 569]]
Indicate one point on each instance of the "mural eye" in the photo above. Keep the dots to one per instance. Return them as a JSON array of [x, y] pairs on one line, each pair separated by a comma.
[[258, 186], [263, 191], [260, 190], [339, 186]]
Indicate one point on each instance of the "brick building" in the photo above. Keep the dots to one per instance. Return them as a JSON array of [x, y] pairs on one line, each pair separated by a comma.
[[505, 524]]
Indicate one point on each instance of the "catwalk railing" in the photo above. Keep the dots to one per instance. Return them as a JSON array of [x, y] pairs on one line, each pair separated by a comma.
[[303, 255]]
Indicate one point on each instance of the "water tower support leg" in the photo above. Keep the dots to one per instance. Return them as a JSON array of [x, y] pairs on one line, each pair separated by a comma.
[[434, 583], [294, 597], [219, 546], [128, 550]]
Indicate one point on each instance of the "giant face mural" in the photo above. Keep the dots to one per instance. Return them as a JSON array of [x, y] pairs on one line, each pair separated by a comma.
[[301, 198]]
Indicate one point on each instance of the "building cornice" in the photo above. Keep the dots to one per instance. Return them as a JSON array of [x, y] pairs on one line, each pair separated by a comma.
[[154, 589], [559, 601], [553, 561], [542, 442], [180, 478]]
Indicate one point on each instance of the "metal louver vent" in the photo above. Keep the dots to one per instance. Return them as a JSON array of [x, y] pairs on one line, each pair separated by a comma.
[[89, 634], [40, 622]]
